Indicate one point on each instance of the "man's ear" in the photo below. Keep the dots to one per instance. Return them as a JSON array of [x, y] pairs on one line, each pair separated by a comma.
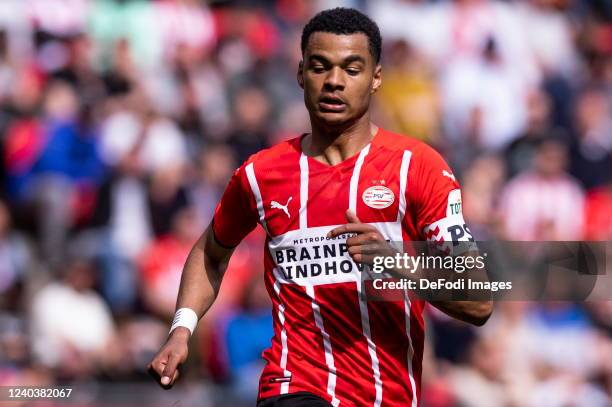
[[300, 73], [377, 79]]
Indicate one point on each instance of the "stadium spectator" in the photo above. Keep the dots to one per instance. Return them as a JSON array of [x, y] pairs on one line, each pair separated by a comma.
[[162, 262], [519, 154], [483, 181], [481, 380], [410, 97], [591, 158], [74, 351], [123, 227], [215, 166], [251, 318], [135, 126], [544, 203], [250, 133]]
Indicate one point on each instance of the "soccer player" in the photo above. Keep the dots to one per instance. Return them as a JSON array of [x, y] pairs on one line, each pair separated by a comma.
[[324, 200]]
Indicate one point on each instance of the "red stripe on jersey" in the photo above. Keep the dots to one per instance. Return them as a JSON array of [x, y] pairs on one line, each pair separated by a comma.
[[354, 383], [306, 353], [328, 192], [377, 171], [388, 328]]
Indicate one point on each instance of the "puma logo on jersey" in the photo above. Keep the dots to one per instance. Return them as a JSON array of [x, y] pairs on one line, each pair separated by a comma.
[[284, 208], [449, 175]]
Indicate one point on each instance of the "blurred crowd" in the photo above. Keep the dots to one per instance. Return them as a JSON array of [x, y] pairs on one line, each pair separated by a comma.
[[121, 122]]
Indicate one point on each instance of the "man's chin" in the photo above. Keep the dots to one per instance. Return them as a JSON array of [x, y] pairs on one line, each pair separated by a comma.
[[333, 120]]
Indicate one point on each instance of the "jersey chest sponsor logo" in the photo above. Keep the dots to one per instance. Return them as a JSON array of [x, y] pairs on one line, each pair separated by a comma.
[[378, 197], [310, 258], [307, 257]]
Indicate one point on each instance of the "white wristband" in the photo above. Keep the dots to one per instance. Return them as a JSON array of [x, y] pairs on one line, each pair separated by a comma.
[[185, 317]]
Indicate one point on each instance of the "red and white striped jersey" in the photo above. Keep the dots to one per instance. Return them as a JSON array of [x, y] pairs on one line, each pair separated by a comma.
[[328, 339]]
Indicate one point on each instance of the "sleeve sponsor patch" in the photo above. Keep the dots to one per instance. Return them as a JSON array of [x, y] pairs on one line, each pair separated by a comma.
[[454, 203], [447, 233]]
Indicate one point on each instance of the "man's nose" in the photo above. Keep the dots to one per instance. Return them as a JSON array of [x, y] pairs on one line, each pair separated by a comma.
[[335, 79]]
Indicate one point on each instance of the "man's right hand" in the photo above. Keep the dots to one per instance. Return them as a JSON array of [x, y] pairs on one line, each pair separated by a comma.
[[164, 366]]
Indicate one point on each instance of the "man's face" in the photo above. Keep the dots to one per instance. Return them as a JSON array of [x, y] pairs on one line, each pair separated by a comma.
[[338, 75]]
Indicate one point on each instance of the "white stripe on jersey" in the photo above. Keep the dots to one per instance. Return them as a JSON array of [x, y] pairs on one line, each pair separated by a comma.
[[355, 179], [407, 305], [407, 308], [284, 389], [363, 306], [257, 194], [403, 179], [303, 191]]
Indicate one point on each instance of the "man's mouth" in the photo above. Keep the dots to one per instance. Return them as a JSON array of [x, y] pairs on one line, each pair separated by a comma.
[[331, 104]]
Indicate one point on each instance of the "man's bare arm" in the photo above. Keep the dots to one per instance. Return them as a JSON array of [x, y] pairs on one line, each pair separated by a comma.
[[200, 282], [202, 274], [473, 312]]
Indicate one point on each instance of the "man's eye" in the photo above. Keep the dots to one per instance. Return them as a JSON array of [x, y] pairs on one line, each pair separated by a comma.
[[353, 71], [318, 68]]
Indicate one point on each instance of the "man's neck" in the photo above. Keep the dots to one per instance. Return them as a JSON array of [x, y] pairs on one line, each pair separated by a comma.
[[332, 146]]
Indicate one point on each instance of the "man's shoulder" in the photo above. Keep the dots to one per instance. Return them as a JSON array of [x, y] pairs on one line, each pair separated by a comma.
[[275, 154], [399, 142]]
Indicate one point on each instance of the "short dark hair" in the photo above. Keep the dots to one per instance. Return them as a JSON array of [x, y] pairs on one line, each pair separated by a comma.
[[344, 21]]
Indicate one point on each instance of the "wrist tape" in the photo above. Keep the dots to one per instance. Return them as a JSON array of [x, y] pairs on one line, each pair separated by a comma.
[[185, 317]]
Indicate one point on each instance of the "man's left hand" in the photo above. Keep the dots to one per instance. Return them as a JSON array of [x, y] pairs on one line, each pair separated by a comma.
[[367, 243]]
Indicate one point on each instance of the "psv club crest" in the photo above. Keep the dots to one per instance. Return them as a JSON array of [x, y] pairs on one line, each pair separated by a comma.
[[378, 197]]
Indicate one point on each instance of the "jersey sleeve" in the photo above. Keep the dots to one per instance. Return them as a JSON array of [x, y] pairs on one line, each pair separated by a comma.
[[236, 213], [435, 197]]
